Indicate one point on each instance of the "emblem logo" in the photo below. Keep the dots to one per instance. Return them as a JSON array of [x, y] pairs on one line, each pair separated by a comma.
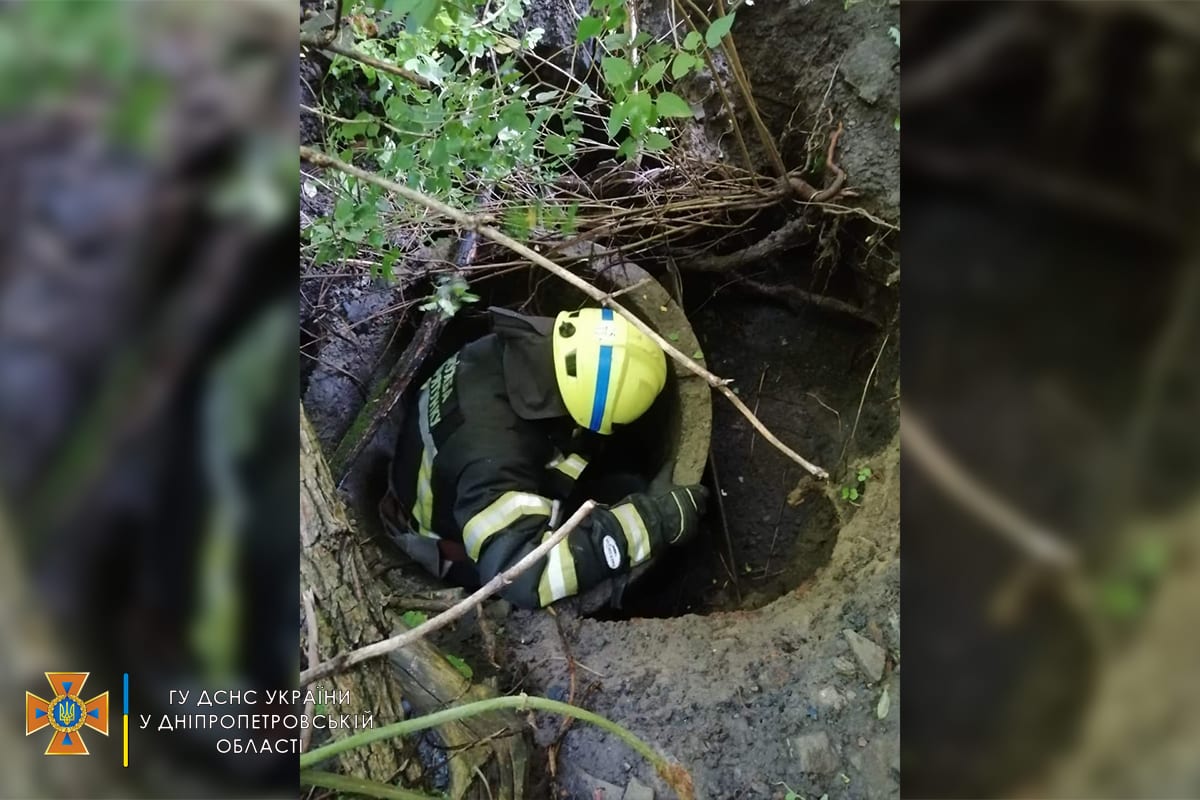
[[611, 554], [66, 713]]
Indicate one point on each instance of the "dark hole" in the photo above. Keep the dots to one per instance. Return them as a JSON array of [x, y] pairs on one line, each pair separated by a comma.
[[571, 364]]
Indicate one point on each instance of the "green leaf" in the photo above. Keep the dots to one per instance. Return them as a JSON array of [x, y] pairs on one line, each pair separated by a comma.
[[588, 27], [673, 336], [656, 142], [462, 666], [616, 118], [692, 40], [659, 51], [617, 71], [558, 145], [699, 354], [672, 105], [641, 112], [654, 73], [414, 618], [1121, 599], [419, 17], [718, 30], [683, 64], [853, 493], [896, 124], [628, 149]]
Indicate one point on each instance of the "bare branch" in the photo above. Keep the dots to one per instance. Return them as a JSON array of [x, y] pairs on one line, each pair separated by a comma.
[[347, 660], [1035, 541]]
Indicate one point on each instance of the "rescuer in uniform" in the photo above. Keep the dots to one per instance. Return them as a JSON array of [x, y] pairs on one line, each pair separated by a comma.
[[494, 451]]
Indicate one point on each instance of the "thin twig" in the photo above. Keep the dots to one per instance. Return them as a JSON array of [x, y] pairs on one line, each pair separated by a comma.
[[1039, 543], [804, 189], [309, 40], [718, 499], [796, 298], [346, 660], [469, 222], [863, 399]]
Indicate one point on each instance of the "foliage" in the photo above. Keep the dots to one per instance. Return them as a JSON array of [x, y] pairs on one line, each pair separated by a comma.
[[450, 295], [1126, 591], [414, 618], [634, 66], [853, 491], [461, 665], [476, 116]]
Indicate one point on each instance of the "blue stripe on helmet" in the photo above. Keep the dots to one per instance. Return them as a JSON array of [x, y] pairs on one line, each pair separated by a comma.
[[600, 400]]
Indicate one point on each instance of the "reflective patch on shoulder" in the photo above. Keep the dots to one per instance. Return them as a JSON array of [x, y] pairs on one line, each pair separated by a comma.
[[612, 554]]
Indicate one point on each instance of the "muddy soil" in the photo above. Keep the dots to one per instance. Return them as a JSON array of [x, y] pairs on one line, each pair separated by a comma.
[[803, 374], [748, 701]]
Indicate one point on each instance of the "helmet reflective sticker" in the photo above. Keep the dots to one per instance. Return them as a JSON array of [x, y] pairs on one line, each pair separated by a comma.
[[606, 331], [603, 374]]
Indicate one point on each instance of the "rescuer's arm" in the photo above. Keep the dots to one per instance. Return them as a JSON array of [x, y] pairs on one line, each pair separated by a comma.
[[502, 520]]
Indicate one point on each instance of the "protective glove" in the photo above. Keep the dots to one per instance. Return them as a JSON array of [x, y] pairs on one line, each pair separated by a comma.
[[679, 511]]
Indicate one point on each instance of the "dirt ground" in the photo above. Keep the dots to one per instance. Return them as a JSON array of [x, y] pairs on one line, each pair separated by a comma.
[[748, 701]]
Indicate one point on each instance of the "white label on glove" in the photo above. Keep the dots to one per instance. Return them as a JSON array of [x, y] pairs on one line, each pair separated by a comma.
[[606, 332], [611, 554]]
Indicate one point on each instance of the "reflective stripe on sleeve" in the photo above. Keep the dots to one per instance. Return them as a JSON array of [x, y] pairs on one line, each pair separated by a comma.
[[558, 577], [572, 466], [636, 536], [423, 507], [422, 513], [504, 511]]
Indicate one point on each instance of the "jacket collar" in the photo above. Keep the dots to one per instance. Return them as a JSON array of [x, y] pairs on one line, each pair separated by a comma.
[[528, 364]]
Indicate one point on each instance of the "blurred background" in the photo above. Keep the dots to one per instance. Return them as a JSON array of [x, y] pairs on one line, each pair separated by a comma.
[[148, 373], [1051, 423]]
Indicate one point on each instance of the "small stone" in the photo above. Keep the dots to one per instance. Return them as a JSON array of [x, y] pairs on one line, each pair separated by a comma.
[[871, 657], [844, 665], [813, 753], [598, 788], [831, 698], [636, 790], [862, 742]]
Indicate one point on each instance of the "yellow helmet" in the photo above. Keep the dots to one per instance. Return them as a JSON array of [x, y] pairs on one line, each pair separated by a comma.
[[607, 370]]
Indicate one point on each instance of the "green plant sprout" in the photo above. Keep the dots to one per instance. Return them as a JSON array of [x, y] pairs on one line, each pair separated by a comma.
[[852, 492], [450, 295]]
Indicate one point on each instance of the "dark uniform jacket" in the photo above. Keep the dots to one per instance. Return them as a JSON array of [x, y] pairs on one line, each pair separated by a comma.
[[485, 462]]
